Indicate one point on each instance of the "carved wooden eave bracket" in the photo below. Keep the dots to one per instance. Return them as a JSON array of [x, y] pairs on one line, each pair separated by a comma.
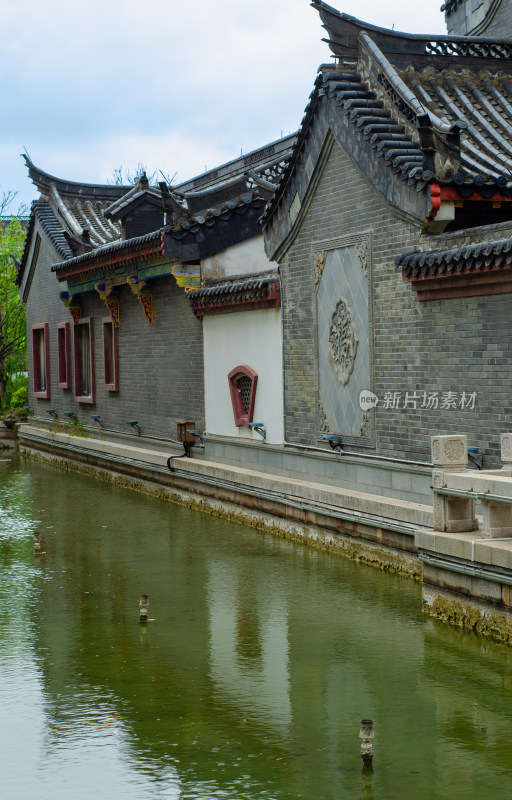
[[187, 276], [144, 296], [111, 301], [72, 304]]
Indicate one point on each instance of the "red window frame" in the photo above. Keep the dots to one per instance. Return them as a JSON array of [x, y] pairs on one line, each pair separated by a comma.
[[64, 355], [41, 386], [80, 397], [242, 415], [110, 355]]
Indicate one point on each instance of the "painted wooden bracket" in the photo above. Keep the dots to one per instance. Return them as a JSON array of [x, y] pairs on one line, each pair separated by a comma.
[[111, 301], [74, 308], [145, 297]]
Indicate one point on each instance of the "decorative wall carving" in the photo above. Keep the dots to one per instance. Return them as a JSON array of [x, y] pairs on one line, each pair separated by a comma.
[[323, 419], [320, 258], [344, 289], [362, 253], [343, 340], [365, 428]]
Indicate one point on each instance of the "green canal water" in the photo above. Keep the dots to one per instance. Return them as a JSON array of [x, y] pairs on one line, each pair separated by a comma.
[[252, 679]]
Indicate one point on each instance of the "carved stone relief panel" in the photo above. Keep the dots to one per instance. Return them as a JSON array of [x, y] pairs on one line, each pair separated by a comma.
[[343, 340], [344, 326]]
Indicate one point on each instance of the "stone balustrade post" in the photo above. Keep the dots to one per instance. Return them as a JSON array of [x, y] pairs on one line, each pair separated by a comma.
[[496, 520], [506, 450], [451, 514]]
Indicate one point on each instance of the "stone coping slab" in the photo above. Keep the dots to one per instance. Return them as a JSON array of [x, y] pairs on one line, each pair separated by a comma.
[[416, 514], [474, 481], [466, 546]]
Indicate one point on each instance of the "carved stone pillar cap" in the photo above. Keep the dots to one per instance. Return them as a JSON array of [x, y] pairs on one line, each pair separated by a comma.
[[506, 448], [449, 451]]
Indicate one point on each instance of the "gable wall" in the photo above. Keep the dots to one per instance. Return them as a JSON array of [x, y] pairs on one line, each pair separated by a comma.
[[488, 18], [457, 345]]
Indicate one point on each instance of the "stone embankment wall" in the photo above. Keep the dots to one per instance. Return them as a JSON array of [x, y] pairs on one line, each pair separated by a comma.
[[465, 568]]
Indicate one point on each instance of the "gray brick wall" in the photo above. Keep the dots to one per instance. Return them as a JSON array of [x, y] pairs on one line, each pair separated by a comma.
[[445, 345], [482, 18], [161, 365]]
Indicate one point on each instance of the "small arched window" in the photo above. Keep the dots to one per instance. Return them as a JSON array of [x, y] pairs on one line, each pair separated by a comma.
[[242, 386]]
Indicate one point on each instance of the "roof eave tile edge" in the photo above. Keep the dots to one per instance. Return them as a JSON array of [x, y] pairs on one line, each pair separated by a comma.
[[483, 257], [36, 212], [101, 257], [271, 299]]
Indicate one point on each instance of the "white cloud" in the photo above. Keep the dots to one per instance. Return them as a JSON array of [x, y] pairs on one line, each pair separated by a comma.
[[165, 83]]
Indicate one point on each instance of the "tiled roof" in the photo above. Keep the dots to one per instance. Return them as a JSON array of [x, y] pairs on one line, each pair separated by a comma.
[[71, 217], [79, 215], [210, 216], [186, 230], [82, 220], [100, 254], [474, 257], [268, 161], [235, 294], [72, 189], [436, 109], [42, 213], [386, 136]]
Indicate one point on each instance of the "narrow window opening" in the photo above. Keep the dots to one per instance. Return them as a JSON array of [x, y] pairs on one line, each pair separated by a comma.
[[41, 360], [85, 347], [110, 355], [243, 381], [64, 355], [244, 384], [84, 361]]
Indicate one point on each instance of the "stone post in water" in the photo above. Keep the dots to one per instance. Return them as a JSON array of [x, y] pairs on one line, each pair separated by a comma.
[[37, 542], [366, 734], [143, 607]]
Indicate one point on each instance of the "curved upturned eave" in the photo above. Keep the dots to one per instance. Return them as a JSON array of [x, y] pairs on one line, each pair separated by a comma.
[[43, 181], [344, 30]]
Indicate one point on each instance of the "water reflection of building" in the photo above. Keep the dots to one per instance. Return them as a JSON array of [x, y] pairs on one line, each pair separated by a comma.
[[249, 644], [262, 659]]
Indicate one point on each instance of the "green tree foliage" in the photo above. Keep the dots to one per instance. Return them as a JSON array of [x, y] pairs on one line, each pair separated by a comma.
[[13, 328]]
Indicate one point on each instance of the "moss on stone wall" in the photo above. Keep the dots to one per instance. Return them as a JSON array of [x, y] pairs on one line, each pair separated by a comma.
[[494, 626]]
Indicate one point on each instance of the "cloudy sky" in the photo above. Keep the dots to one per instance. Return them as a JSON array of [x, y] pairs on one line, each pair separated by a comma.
[[174, 85]]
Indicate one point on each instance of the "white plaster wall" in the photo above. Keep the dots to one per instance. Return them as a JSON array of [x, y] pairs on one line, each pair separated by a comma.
[[245, 258], [245, 337]]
